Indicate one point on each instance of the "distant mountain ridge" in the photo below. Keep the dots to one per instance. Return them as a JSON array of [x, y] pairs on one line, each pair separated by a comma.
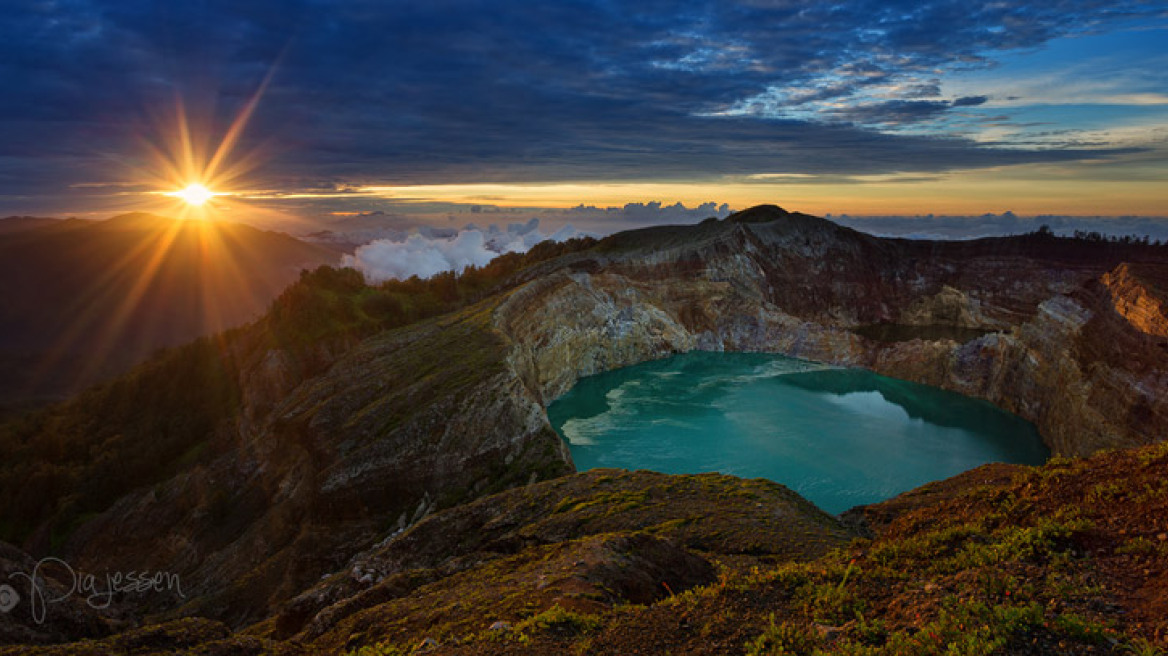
[[83, 299], [12, 224]]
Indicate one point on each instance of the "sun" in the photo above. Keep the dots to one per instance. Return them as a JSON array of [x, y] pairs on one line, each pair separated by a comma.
[[200, 179], [194, 194]]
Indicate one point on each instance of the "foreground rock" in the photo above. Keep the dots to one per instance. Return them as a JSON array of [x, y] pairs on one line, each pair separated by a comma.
[[613, 536], [22, 616], [577, 545], [1068, 558]]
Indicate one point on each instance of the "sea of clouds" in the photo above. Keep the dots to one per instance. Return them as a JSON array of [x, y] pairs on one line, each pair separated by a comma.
[[394, 247], [429, 250], [398, 246]]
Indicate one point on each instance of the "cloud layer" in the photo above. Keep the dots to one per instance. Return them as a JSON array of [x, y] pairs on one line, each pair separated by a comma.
[[432, 251], [396, 224], [427, 251]]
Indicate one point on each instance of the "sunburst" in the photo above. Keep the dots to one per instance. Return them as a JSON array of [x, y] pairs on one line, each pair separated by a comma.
[[189, 176], [203, 177]]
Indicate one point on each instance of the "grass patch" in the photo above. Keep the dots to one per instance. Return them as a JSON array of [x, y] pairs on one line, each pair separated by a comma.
[[780, 639], [559, 621]]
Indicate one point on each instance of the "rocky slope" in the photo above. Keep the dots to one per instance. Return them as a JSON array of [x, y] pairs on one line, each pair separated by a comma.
[[1068, 558], [320, 454], [404, 422]]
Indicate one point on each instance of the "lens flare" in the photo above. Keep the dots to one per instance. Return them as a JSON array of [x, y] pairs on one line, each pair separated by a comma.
[[187, 174], [193, 161]]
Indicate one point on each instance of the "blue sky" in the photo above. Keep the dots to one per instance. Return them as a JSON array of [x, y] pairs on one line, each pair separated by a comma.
[[431, 107]]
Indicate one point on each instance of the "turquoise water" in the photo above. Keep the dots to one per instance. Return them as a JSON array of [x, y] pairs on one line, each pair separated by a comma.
[[839, 437]]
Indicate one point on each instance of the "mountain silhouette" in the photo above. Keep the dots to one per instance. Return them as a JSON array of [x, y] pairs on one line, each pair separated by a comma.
[[81, 300]]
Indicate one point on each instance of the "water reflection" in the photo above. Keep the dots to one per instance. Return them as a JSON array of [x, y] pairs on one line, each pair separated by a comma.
[[840, 437]]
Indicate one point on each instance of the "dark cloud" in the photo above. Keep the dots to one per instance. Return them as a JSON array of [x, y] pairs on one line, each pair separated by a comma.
[[970, 101], [894, 111], [898, 112], [446, 90], [923, 90]]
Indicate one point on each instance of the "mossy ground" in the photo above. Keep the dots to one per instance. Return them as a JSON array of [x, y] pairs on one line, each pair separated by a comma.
[[1068, 558]]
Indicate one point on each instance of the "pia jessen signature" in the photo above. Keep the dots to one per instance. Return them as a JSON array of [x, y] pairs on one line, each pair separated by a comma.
[[98, 592]]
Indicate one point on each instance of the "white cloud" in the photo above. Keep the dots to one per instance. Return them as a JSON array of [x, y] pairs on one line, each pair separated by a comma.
[[431, 251]]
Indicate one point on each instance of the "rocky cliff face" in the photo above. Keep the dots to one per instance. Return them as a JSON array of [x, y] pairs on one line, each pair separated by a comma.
[[320, 468], [1136, 299], [800, 286]]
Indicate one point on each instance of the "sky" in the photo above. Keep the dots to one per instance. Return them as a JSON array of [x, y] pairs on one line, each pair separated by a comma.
[[599, 113]]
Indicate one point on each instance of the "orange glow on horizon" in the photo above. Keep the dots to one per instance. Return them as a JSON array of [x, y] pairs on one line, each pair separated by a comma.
[[1024, 189]]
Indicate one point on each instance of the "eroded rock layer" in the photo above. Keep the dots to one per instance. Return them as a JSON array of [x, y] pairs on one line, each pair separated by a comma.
[[1058, 347]]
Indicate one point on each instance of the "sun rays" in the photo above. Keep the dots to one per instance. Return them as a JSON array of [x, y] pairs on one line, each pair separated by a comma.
[[195, 163], [188, 255]]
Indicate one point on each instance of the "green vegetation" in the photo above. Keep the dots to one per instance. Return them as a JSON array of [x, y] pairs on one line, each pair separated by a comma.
[[1018, 561], [330, 304], [892, 333], [1142, 546], [994, 569], [559, 621], [781, 639], [69, 462], [380, 649], [830, 604], [77, 458], [991, 611], [613, 502]]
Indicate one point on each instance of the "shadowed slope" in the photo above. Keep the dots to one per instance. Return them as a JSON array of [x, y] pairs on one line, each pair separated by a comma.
[[84, 299]]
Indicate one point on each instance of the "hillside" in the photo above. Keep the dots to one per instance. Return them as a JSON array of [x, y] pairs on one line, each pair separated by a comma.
[[86, 299], [1068, 558], [325, 472]]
